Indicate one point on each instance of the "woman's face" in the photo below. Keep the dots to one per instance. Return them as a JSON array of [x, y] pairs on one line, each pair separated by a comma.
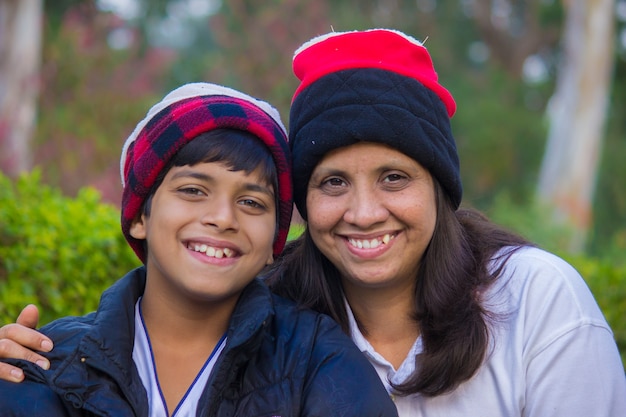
[[371, 212]]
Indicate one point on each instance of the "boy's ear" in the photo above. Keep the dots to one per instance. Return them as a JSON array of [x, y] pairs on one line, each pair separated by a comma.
[[138, 227]]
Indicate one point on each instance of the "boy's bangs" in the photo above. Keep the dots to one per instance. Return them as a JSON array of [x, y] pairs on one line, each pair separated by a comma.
[[237, 149]]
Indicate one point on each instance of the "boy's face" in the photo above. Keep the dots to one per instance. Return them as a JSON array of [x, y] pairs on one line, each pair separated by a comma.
[[209, 233]]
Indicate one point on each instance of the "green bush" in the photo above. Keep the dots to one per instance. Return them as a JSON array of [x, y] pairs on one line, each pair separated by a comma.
[[57, 252]]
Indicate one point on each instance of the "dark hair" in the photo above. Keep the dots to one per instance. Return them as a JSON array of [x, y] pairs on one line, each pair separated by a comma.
[[454, 271], [237, 149]]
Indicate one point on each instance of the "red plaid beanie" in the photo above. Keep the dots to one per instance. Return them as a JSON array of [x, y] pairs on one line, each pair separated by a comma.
[[376, 86], [181, 116]]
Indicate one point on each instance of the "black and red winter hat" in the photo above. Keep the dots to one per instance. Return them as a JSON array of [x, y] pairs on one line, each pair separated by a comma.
[[181, 116], [377, 86]]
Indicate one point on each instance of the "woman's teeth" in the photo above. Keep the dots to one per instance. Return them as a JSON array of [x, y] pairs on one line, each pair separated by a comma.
[[371, 243]]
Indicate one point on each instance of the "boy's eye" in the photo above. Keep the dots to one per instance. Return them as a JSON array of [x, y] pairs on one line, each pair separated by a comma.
[[191, 191], [251, 203]]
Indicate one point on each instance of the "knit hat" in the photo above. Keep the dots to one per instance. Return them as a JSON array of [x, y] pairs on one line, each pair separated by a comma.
[[377, 86], [181, 116]]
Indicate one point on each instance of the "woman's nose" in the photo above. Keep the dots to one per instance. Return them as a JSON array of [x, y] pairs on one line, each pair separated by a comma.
[[366, 208]]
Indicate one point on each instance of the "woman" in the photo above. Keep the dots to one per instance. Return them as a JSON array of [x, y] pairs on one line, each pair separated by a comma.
[[458, 316]]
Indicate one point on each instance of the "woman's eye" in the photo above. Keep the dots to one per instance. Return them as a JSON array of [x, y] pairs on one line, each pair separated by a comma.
[[394, 178], [334, 182]]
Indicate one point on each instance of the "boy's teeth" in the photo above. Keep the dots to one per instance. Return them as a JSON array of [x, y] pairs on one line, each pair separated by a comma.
[[214, 252], [370, 243]]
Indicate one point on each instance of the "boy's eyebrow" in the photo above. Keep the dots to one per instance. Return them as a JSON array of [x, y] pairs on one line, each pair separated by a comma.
[[250, 186], [193, 174]]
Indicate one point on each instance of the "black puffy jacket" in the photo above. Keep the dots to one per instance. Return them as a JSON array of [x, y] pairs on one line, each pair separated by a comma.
[[279, 361]]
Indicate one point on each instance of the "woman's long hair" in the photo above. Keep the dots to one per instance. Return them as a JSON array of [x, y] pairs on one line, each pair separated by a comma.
[[453, 273]]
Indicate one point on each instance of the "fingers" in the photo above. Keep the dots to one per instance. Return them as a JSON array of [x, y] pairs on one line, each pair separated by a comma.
[[23, 333], [20, 341]]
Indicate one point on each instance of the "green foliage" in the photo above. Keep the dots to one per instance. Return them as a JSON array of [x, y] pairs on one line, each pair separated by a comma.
[[56, 252], [500, 138], [295, 231]]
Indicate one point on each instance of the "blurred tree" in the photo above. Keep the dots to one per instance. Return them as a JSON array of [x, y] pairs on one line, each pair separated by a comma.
[[577, 115], [20, 56]]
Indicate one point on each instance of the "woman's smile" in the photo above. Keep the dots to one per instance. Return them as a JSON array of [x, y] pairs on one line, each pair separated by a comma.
[[371, 212]]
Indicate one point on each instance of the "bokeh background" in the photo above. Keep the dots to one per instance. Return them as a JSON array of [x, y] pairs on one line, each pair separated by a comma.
[[540, 87]]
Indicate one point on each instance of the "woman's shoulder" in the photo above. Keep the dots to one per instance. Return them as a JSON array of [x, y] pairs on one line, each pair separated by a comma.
[[536, 257], [534, 281], [529, 263]]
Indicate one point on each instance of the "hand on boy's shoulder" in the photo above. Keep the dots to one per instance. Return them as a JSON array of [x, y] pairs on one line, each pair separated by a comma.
[[20, 340]]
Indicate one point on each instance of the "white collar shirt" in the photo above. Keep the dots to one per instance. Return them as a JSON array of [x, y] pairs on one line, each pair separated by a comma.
[[551, 353]]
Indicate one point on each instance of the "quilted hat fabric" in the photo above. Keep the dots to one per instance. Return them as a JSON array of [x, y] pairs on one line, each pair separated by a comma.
[[181, 116], [371, 86]]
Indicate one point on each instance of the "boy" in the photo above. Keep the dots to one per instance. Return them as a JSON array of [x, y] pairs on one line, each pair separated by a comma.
[[206, 205]]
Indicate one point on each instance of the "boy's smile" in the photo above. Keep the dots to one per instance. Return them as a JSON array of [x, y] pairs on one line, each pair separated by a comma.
[[212, 251], [209, 233]]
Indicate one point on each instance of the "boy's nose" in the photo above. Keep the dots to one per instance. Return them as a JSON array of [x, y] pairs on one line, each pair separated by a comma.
[[220, 214]]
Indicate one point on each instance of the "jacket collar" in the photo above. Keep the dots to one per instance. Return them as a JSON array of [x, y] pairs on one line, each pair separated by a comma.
[[253, 311], [106, 348]]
